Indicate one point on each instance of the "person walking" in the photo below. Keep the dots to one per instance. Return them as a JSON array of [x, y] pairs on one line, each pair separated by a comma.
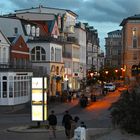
[[66, 122], [52, 119], [83, 125], [73, 125]]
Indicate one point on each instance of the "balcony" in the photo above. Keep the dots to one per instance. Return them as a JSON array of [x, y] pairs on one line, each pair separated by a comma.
[[60, 39], [20, 67], [67, 55]]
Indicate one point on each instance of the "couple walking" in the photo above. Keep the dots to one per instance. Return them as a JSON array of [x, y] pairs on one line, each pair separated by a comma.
[[70, 124]]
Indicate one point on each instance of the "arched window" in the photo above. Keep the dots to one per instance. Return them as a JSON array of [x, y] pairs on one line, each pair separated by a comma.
[[52, 54], [38, 54]]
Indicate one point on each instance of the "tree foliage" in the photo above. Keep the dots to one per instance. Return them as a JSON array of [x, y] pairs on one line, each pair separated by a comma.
[[126, 112]]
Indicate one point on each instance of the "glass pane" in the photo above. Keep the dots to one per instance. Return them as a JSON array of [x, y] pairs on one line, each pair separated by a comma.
[[10, 89], [4, 89], [37, 48], [33, 51], [38, 56], [43, 57], [42, 51], [33, 57]]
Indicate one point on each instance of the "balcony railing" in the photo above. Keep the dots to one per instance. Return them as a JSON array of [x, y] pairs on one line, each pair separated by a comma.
[[67, 55], [10, 66], [60, 39]]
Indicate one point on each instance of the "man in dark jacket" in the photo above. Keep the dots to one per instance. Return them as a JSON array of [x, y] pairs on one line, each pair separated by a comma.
[[66, 122], [52, 119]]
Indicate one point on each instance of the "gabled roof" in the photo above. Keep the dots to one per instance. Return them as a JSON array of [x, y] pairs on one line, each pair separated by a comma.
[[116, 31], [135, 17], [6, 39], [42, 7], [7, 26], [13, 40], [29, 15]]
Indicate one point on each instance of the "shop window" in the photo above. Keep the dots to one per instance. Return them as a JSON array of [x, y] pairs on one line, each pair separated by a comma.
[[10, 89]]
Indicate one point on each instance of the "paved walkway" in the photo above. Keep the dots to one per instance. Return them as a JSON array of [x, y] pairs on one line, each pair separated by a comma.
[[60, 108]]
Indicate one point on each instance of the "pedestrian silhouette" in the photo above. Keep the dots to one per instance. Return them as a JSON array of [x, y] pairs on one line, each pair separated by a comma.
[[83, 125], [66, 122], [52, 119]]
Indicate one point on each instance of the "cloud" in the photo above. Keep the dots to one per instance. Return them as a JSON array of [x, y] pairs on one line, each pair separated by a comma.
[[105, 15], [91, 10]]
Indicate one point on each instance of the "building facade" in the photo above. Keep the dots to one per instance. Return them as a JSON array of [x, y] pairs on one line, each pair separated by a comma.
[[113, 48], [15, 71], [92, 43], [131, 44]]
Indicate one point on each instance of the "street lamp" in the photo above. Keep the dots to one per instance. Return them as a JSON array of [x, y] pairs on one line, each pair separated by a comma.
[[116, 73], [91, 74], [123, 71], [66, 80], [106, 72]]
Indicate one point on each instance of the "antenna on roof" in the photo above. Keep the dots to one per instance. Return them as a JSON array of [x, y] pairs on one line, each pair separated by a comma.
[[40, 6]]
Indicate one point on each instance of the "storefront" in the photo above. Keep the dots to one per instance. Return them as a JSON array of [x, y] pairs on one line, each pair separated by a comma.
[[15, 88]]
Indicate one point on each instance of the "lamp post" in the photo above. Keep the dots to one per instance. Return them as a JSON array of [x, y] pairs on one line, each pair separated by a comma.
[[116, 74], [123, 72], [91, 74], [106, 72]]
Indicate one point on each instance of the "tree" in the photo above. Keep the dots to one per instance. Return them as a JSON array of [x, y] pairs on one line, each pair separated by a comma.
[[126, 112]]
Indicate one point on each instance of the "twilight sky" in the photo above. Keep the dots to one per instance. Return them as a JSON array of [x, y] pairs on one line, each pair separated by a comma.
[[104, 15]]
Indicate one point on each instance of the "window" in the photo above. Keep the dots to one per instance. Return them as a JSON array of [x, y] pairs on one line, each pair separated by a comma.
[[75, 66], [38, 54], [11, 86], [134, 42], [135, 56], [134, 39], [134, 32], [16, 30], [4, 87], [58, 55], [52, 54]]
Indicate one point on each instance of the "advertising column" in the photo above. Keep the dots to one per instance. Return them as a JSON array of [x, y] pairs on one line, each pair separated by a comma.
[[39, 99]]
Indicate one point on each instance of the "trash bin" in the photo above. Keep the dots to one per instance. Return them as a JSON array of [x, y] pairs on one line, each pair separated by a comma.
[[80, 133]]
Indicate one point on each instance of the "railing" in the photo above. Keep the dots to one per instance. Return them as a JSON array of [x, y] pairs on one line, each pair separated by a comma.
[[67, 55], [60, 39], [15, 66]]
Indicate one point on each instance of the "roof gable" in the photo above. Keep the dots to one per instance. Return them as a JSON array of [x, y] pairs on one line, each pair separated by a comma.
[[55, 30], [19, 44], [3, 39]]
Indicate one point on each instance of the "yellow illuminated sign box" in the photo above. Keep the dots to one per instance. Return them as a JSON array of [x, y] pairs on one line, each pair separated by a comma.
[[39, 99]]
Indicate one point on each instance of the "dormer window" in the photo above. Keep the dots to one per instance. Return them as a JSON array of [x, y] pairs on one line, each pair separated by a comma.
[[16, 30]]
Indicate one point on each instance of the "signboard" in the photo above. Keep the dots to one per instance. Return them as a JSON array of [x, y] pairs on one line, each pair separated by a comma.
[[39, 98]]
